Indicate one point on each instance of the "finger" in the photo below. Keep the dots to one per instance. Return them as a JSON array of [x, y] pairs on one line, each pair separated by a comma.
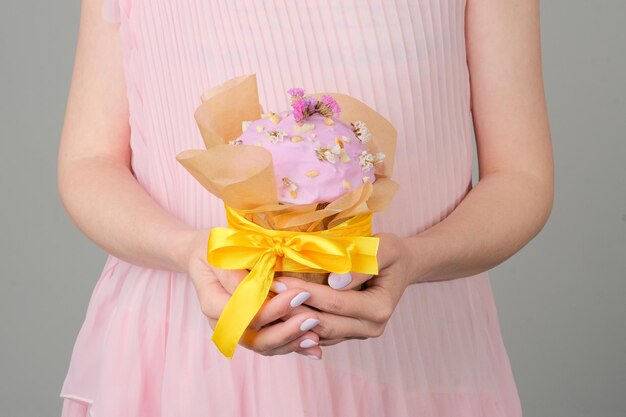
[[313, 353], [230, 279], [371, 304], [294, 312], [278, 306], [332, 327], [347, 281], [299, 310], [341, 328], [330, 342], [272, 337], [278, 287], [305, 342], [387, 251], [299, 345], [385, 256], [213, 297]]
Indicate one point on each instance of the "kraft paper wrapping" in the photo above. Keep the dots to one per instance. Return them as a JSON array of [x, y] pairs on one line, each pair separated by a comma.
[[243, 176]]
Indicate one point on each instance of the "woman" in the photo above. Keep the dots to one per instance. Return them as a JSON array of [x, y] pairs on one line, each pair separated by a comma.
[[429, 342]]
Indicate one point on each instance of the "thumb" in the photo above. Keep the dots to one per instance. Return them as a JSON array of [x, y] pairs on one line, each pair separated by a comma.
[[347, 281], [230, 278]]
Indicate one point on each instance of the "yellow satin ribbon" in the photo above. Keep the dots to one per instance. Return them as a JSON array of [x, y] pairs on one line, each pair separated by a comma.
[[346, 247]]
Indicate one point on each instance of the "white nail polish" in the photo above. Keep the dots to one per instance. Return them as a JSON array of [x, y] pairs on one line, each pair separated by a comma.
[[313, 357], [299, 299], [278, 287], [308, 324], [307, 343], [338, 281]]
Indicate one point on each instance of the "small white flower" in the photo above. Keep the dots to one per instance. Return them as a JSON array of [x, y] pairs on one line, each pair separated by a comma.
[[235, 142], [275, 136], [361, 131], [367, 160], [245, 125]]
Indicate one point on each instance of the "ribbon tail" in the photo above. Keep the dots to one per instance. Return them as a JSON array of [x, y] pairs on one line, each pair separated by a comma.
[[243, 305]]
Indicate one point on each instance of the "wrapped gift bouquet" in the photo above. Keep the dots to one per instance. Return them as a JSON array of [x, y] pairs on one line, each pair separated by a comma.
[[299, 188]]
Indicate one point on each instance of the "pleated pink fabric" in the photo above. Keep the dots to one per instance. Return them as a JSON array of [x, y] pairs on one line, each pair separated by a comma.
[[145, 348]]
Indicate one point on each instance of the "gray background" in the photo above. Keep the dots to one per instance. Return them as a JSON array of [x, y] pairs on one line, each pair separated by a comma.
[[561, 299]]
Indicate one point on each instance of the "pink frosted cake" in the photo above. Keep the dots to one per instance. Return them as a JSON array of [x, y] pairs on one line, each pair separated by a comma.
[[317, 158]]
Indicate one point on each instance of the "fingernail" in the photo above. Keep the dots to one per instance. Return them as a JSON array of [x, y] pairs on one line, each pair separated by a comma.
[[278, 287], [308, 324], [338, 281], [307, 343], [299, 299], [313, 357]]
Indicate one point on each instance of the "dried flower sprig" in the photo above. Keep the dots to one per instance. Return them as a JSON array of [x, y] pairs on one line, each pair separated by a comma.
[[368, 160], [330, 103], [305, 106], [296, 92], [361, 131]]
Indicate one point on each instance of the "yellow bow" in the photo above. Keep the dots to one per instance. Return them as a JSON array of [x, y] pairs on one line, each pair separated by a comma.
[[346, 247]]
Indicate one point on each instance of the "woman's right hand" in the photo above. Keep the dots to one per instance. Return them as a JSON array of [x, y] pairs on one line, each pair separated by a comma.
[[266, 334]]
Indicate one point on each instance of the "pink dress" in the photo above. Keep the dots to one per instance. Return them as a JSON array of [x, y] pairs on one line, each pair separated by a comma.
[[145, 348]]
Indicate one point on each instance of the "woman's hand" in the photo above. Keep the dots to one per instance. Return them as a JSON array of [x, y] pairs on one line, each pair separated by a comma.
[[361, 314], [214, 288]]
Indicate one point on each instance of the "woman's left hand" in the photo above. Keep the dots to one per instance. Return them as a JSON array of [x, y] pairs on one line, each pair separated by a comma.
[[359, 314]]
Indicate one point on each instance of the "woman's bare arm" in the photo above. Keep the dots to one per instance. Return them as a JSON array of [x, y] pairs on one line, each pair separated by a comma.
[[513, 198], [106, 202], [508, 207], [95, 180]]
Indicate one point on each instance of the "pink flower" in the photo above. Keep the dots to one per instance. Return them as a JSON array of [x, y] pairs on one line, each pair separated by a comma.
[[304, 106], [332, 104], [300, 109], [299, 92], [312, 102]]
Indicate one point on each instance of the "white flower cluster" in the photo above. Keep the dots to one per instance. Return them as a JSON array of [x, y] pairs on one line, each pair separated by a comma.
[[361, 131], [275, 136], [367, 160]]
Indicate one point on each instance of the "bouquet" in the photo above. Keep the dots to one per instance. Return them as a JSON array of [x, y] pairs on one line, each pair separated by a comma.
[[299, 188]]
